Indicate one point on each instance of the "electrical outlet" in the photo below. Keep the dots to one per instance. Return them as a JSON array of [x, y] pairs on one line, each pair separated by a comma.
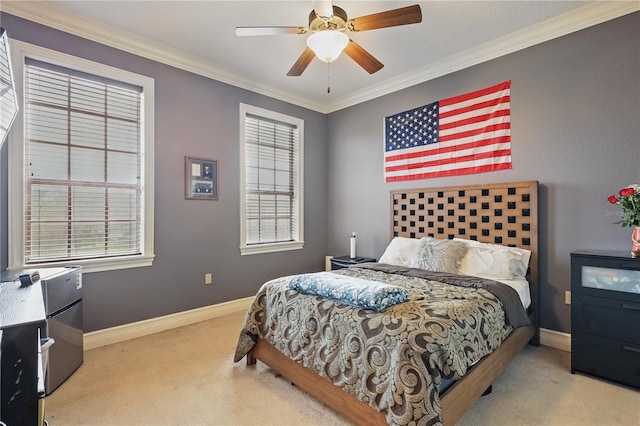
[[567, 297], [207, 278]]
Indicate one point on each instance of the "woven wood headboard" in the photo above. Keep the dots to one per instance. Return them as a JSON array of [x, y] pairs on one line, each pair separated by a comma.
[[497, 213]]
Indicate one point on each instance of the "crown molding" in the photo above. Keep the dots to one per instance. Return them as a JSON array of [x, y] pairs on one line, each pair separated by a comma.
[[72, 23], [580, 18]]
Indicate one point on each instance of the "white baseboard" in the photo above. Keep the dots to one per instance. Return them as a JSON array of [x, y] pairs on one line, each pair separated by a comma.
[[108, 336], [555, 339]]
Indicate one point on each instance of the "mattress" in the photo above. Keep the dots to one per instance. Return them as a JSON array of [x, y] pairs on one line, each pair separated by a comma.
[[521, 286]]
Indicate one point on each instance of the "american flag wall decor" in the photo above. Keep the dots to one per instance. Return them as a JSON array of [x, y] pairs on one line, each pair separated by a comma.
[[465, 134]]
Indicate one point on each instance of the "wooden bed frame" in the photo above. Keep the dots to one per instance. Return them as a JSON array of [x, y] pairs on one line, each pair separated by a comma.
[[502, 213]]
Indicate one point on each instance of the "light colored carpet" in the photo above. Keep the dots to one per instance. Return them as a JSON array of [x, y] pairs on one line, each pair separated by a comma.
[[186, 376]]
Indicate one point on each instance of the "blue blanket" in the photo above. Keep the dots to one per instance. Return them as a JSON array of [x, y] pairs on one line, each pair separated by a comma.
[[357, 292]]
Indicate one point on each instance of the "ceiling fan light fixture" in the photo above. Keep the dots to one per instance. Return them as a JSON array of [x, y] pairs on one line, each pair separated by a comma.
[[323, 9], [328, 44]]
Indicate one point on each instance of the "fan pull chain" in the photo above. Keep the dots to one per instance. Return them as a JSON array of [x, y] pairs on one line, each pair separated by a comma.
[[328, 77]]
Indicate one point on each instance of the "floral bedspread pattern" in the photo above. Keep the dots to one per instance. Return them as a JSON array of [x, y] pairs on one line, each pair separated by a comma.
[[393, 360]]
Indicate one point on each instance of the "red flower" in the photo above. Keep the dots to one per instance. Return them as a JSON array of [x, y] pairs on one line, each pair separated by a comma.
[[628, 199], [626, 191]]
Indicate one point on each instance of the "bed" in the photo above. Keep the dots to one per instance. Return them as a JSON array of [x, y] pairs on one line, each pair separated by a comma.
[[404, 384]]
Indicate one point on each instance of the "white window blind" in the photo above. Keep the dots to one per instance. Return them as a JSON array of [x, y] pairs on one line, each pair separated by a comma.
[[83, 159], [271, 196]]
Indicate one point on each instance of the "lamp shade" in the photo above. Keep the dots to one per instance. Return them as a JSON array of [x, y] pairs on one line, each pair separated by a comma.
[[328, 44]]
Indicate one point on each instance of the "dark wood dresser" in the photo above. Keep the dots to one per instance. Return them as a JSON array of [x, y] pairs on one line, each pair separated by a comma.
[[605, 315]]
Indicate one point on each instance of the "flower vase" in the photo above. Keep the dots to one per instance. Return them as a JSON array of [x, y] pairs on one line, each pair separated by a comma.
[[635, 247]]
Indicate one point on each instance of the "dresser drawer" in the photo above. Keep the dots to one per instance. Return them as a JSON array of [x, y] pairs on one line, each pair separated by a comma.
[[611, 277], [606, 358], [615, 319]]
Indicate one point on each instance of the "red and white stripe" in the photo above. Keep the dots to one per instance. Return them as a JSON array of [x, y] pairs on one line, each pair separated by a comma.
[[474, 137]]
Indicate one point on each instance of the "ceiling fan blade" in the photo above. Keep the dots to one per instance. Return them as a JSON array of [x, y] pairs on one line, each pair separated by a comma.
[[323, 9], [390, 18], [262, 31], [302, 63], [362, 57]]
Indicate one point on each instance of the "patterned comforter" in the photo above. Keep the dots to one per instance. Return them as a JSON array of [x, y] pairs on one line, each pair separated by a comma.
[[393, 360]]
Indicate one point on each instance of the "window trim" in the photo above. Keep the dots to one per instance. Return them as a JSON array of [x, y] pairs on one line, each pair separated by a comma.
[[16, 171], [298, 243]]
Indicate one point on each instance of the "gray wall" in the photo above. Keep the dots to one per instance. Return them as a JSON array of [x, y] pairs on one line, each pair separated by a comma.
[[194, 116], [575, 128]]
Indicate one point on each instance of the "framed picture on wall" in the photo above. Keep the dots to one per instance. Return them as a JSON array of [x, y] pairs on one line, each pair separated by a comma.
[[201, 178]]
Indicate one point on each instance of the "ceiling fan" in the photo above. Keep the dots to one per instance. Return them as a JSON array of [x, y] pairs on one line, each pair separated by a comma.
[[328, 25]]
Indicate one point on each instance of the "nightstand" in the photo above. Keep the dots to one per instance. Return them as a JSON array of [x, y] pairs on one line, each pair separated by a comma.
[[346, 261], [605, 315]]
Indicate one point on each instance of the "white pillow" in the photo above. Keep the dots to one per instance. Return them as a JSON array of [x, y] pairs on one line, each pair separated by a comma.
[[494, 261], [526, 254], [400, 251], [441, 255]]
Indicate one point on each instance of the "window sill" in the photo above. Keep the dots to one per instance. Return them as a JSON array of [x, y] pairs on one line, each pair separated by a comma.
[[271, 248], [98, 265]]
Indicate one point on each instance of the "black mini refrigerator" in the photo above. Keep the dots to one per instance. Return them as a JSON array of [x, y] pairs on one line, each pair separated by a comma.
[[62, 291]]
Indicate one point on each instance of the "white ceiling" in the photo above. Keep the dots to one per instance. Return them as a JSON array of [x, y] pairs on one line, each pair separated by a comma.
[[200, 36]]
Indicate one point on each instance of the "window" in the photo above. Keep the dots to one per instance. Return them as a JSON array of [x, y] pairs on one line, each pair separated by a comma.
[[84, 165], [271, 196]]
